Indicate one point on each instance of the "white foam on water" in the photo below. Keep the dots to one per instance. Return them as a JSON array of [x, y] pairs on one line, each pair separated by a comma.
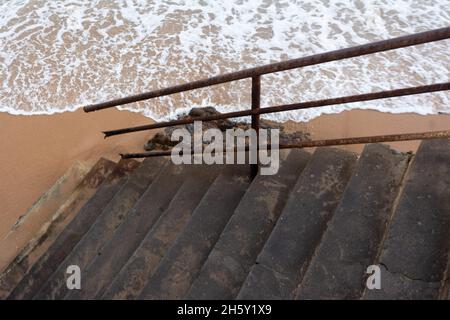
[[57, 56]]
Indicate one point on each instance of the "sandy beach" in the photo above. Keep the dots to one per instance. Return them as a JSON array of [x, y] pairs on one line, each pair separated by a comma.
[[37, 150]]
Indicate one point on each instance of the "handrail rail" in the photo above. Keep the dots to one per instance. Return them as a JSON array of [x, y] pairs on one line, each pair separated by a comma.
[[289, 107], [369, 48], [255, 111], [318, 143]]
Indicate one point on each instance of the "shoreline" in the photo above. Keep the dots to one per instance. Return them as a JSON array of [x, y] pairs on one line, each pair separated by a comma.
[[37, 150]]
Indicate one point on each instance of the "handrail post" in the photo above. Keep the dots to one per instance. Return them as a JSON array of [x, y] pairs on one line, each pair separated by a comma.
[[256, 104]]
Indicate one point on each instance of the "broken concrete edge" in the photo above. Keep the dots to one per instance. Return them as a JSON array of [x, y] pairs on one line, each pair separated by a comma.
[[65, 241], [61, 215], [80, 170], [14, 270], [27, 225], [77, 171]]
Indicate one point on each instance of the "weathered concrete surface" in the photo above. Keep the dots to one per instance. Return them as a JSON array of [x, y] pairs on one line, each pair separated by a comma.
[[285, 256], [400, 287], [112, 216], [239, 244], [265, 283], [66, 241], [341, 217], [130, 234], [183, 261], [132, 278], [352, 239], [50, 231], [29, 224], [417, 247]]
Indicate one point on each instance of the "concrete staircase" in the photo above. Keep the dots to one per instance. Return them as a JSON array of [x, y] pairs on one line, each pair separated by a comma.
[[155, 230]]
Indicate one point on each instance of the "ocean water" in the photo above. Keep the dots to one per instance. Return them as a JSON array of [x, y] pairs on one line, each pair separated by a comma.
[[58, 55]]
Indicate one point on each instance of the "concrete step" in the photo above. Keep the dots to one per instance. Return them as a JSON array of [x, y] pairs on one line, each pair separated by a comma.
[[29, 224], [130, 234], [104, 227], [135, 273], [183, 261], [415, 253], [239, 244], [284, 257], [352, 239], [66, 241], [50, 231]]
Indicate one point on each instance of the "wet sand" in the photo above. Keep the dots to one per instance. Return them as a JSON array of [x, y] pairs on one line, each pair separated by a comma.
[[359, 123], [37, 150]]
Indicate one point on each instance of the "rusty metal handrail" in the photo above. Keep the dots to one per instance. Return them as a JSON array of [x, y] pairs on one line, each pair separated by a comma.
[[320, 143], [256, 110], [379, 46], [290, 107]]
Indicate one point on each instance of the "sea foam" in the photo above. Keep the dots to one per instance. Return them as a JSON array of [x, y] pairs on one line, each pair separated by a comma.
[[57, 56]]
